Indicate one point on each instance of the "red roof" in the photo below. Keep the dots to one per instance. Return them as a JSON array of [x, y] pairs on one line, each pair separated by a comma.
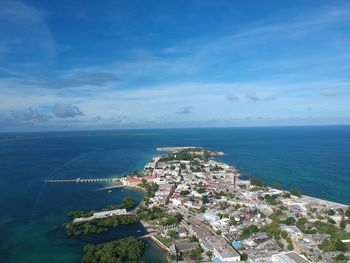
[[132, 180], [174, 195]]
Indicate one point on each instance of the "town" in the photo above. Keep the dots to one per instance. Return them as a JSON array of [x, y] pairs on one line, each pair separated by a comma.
[[200, 210]]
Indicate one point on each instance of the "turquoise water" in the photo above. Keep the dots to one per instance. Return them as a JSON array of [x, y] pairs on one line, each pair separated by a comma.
[[314, 159]]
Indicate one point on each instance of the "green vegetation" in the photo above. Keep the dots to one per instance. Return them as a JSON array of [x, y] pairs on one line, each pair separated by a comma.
[[335, 232], [271, 199], [347, 212], [151, 188], [98, 226], [172, 234], [205, 199], [272, 230], [185, 155], [127, 203], [171, 219], [244, 257], [150, 214], [277, 216], [206, 155], [216, 168], [290, 221], [201, 190], [295, 192], [256, 181], [209, 254], [250, 230], [276, 186], [195, 254], [127, 249], [76, 214], [165, 240], [301, 224], [202, 209], [286, 195], [193, 239], [341, 257]]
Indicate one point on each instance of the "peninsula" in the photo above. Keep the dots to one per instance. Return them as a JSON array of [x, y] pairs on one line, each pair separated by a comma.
[[200, 210]]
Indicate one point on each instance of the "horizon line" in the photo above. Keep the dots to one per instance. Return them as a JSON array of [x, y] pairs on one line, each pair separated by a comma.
[[175, 128]]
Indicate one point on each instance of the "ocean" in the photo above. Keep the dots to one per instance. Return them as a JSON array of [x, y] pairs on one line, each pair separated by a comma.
[[314, 159]]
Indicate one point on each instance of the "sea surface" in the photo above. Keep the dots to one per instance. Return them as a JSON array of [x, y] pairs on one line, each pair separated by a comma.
[[313, 159]]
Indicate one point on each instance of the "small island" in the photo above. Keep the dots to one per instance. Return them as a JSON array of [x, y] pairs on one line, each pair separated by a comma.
[[200, 209]]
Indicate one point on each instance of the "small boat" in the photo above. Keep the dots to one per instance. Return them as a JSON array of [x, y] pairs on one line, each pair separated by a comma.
[[138, 231], [109, 191]]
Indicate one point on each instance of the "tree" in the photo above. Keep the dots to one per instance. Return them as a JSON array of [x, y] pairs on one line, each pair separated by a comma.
[[290, 221], [244, 257], [340, 246], [295, 192], [172, 233], [127, 249], [201, 190], [247, 232], [341, 257], [195, 254], [206, 155], [205, 199], [347, 212], [277, 186], [209, 254], [193, 239], [202, 209], [256, 181], [342, 224]]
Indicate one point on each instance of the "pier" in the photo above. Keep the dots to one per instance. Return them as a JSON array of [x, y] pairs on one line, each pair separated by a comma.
[[83, 180]]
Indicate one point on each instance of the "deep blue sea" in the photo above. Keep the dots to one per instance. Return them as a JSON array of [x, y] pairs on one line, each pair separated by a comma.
[[313, 159]]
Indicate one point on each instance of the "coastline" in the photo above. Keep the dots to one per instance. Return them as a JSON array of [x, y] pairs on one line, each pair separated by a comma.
[[133, 182]]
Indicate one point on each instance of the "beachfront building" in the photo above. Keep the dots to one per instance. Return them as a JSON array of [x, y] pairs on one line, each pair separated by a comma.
[[115, 212]]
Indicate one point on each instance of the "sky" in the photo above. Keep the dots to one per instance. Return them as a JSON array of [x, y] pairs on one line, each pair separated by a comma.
[[72, 65]]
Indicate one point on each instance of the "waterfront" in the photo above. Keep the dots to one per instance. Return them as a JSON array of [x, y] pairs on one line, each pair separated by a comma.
[[313, 159]]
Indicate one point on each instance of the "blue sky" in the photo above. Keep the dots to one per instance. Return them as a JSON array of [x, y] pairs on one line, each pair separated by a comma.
[[144, 64]]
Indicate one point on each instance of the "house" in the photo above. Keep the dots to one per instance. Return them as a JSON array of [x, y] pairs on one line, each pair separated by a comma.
[[132, 181], [292, 231], [221, 249], [220, 224], [182, 232], [185, 247], [210, 217]]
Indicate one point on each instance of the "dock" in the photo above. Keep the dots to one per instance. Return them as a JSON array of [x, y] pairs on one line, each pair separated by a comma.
[[82, 180]]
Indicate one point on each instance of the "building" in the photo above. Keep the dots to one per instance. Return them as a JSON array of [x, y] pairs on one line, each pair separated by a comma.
[[132, 181], [182, 232], [289, 257], [222, 250], [210, 217], [115, 212], [185, 247]]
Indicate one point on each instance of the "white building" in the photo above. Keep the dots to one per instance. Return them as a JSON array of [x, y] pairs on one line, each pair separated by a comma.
[[210, 217], [115, 212], [289, 257]]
